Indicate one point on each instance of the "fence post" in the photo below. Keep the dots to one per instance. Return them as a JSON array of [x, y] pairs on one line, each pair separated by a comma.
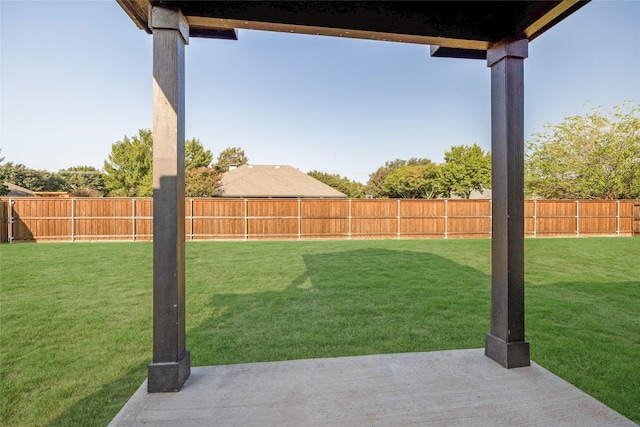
[[73, 218], [577, 218], [398, 219], [191, 219], [133, 219], [446, 218], [535, 217], [246, 219], [618, 218], [349, 221], [10, 221], [299, 214]]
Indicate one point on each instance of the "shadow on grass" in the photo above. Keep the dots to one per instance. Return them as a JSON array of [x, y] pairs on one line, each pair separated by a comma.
[[102, 406], [376, 301], [366, 301], [589, 334]]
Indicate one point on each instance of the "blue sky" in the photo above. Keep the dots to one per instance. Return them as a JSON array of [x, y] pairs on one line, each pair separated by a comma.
[[76, 77]]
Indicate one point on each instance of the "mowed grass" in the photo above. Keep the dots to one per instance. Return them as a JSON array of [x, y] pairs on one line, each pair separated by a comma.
[[75, 336]]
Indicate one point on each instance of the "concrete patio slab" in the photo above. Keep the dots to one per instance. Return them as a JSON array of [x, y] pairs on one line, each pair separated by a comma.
[[444, 388]]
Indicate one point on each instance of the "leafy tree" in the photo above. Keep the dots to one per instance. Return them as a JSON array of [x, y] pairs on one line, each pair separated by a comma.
[[195, 155], [352, 189], [413, 182], [32, 179], [83, 181], [230, 156], [596, 156], [128, 169], [466, 168], [373, 187], [375, 184], [202, 182], [3, 188]]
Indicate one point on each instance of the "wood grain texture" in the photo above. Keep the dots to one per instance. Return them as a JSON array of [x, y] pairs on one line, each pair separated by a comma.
[[170, 367], [225, 219], [506, 341]]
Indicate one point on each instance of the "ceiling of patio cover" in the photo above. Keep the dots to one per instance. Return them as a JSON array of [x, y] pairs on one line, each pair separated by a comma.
[[453, 28]]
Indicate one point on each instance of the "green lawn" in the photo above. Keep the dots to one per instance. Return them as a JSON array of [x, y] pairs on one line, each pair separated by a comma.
[[75, 334]]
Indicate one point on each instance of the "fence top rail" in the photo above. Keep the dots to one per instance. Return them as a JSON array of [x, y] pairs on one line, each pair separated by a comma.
[[230, 199]]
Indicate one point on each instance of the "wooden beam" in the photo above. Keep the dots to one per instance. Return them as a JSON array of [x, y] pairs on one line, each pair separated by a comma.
[[448, 52], [559, 12], [506, 341], [171, 361], [471, 26], [203, 23], [138, 11]]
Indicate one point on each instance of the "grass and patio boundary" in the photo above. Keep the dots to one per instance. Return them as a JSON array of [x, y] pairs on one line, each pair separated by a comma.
[[75, 336]]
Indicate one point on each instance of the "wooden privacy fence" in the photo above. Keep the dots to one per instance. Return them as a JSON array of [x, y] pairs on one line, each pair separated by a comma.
[[77, 219]]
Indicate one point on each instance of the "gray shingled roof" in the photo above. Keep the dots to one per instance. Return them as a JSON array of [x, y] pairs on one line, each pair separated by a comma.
[[17, 191], [274, 181]]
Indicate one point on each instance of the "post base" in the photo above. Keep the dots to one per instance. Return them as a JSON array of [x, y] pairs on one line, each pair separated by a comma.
[[170, 376], [509, 355]]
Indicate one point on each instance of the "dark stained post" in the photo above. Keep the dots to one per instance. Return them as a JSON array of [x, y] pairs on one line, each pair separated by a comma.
[[505, 343], [171, 363]]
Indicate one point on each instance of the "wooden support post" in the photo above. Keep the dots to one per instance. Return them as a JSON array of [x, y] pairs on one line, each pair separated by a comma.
[[171, 363], [506, 342]]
